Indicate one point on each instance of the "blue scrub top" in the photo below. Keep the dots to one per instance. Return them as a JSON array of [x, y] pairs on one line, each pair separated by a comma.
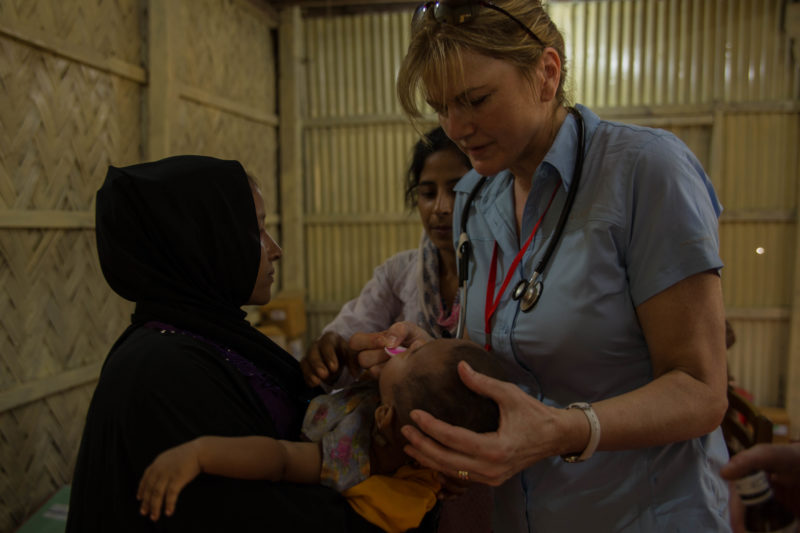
[[645, 217]]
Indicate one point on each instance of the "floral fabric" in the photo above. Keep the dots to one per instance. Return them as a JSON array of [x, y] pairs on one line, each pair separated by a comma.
[[342, 422]]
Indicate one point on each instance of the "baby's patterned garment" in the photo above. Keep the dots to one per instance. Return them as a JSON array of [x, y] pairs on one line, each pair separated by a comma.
[[343, 421]]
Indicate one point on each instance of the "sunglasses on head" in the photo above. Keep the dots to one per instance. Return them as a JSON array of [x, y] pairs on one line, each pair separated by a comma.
[[458, 12]]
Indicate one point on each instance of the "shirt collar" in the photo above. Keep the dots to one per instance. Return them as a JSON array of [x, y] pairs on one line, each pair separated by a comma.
[[561, 157]]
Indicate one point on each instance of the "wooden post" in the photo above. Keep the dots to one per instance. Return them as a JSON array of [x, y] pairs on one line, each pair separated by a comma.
[[792, 18], [161, 93], [793, 378], [293, 263]]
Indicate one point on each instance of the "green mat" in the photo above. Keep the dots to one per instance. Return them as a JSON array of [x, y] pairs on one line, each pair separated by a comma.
[[51, 517]]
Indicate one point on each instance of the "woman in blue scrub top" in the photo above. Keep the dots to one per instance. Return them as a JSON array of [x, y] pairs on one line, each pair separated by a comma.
[[619, 371]]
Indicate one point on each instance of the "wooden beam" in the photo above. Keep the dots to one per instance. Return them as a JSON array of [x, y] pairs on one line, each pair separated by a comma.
[[793, 379], [80, 54], [42, 219], [788, 216], [263, 10], [792, 24], [232, 107], [43, 388], [779, 314], [363, 219], [291, 83], [366, 120], [653, 116], [717, 155], [345, 3], [343, 7], [20, 219], [161, 94]]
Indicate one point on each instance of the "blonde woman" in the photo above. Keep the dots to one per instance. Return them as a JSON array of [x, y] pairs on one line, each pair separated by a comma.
[[594, 277]]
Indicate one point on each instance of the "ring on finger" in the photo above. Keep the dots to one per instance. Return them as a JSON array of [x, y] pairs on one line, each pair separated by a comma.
[[463, 475]]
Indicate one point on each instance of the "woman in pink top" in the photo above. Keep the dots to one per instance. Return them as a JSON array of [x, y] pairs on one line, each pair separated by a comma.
[[419, 286]]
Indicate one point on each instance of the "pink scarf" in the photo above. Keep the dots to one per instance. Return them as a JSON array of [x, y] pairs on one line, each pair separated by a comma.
[[432, 313]]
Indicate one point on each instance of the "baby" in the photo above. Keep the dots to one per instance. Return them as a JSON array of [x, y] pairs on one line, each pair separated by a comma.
[[355, 444]]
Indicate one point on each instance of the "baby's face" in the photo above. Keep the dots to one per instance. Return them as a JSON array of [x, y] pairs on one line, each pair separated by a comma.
[[394, 371], [398, 366]]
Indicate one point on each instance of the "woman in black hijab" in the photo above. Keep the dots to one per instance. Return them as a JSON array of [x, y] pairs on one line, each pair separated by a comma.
[[184, 238]]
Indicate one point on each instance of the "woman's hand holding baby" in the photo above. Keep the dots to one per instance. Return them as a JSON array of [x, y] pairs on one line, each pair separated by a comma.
[[165, 478]]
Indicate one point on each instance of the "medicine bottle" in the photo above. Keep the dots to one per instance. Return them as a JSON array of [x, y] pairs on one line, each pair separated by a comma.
[[762, 512]]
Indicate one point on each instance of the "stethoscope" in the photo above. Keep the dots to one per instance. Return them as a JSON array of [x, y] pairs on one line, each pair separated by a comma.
[[528, 291]]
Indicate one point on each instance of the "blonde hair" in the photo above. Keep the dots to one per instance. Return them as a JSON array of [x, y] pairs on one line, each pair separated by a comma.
[[434, 53]]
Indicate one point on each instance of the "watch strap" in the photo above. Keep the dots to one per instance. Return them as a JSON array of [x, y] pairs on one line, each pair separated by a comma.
[[594, 433]]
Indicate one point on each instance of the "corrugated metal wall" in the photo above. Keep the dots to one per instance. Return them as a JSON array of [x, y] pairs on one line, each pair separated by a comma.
[[718, 73], [357, 147], [676, 52]]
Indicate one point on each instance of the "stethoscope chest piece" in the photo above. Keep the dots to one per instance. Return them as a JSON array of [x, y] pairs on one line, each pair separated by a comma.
[[520, 289], [528, 292], [531, 296]]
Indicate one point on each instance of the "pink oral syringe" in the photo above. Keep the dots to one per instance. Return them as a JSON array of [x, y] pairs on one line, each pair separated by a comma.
[[395, 351]]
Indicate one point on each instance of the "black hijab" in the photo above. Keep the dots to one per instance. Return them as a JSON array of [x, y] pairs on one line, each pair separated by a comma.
[[180, 238]]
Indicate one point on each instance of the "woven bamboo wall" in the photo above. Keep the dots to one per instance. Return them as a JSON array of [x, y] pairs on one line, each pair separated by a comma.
[[73, 85], [227, 96], [78, 86], [718, 73]]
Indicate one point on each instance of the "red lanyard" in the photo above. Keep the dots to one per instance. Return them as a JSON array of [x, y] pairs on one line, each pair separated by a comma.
[[491, 302]]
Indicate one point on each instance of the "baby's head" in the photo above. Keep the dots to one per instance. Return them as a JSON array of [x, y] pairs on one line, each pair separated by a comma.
[[427, 378]]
